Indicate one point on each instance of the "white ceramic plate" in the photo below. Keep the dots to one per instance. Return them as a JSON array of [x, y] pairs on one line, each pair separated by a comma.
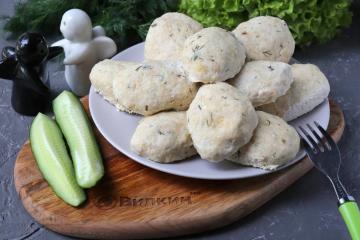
[[118, 128]]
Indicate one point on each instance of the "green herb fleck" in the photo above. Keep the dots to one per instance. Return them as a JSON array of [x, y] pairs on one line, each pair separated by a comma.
[[196, 50], [267, 53], [198, 47], [145, 66], [194, 57]]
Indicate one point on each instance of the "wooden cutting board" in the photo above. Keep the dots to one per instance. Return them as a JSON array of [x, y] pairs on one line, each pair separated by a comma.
[[133, 201]]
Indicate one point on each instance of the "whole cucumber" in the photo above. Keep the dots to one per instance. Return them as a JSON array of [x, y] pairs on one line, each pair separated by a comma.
[[84, 150], [49, 149]]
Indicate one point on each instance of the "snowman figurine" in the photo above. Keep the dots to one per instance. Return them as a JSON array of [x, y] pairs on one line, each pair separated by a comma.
[[83, 46]]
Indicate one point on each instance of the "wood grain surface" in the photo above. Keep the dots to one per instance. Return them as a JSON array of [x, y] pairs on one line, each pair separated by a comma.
[[133, 201]]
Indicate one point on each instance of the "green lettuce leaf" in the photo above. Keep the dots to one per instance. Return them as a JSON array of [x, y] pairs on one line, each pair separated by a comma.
[[309, 20]]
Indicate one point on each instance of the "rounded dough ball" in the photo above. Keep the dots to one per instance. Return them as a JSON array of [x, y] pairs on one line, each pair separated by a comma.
[[220, 120], [309, 89], [274, 143], [153, 86], [163, 138], [167, 34], [212, 55], [266, 38], [263, 81]]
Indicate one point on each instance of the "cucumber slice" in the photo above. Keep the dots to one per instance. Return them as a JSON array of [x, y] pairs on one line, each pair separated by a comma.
[[49, 149], [78, 133]]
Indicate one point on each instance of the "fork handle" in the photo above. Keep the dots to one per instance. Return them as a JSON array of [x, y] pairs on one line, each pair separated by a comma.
[[349, 211]]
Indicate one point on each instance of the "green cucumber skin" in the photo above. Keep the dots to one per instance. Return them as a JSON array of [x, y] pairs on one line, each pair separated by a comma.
[[84, 150], [49, 149]]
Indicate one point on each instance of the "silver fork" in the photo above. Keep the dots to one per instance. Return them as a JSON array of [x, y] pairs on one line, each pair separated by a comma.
[[325, 154]]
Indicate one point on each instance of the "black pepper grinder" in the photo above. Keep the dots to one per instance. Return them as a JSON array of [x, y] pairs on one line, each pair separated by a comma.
[[25, 65]]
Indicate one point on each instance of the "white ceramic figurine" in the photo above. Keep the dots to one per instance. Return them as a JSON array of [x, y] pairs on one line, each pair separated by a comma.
[[83, 46]]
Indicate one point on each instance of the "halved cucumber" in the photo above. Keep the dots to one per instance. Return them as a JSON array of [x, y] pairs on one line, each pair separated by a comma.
[[49, 149], [78, 133]]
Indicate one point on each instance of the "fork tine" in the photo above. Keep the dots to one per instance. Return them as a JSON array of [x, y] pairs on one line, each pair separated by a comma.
[[308, 138], [329, 139], [317, 136], [309, 150]]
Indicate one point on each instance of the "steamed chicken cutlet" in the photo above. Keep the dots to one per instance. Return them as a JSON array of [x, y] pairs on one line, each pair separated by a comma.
[[143, 88], [153, 86], [212, 55], [167, 34], [263, 81], [220, 120], [309, 89], [273, 144], [266, 38], [163, 138], [101, 77]]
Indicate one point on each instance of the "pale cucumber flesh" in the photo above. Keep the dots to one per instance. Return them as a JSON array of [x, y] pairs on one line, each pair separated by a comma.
[[84, 150], [49, 149]]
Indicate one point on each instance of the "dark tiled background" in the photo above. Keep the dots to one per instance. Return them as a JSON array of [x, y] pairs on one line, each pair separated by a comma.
[[307, 210]]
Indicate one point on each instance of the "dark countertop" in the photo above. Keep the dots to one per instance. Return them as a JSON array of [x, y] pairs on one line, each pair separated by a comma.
[[306, 210]]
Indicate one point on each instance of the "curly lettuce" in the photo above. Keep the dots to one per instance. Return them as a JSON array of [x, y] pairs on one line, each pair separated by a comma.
[[310, 21]]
